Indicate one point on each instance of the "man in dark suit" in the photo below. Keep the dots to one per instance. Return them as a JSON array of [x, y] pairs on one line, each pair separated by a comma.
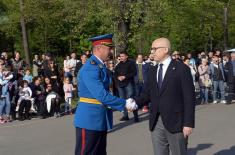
[[230, 77], [170, 90]]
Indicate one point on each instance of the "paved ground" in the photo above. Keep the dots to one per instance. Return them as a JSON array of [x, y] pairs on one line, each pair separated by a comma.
[[214, 135]]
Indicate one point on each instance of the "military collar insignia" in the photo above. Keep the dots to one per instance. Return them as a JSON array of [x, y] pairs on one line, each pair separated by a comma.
[[93, 62], [100, 65]]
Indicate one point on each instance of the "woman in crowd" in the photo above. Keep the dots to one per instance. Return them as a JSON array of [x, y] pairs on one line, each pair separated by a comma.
[[5, 105], [193, 71], [52, 72], [37, 64], [18, 65], [52, 96], [67, 72], [38, 92], [204, 80]]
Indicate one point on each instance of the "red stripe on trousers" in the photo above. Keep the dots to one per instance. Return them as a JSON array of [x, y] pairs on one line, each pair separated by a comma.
[[83, 141]]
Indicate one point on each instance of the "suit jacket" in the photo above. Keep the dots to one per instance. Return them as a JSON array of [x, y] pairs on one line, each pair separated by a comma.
[[126, 69], [212, 71], [229, 72], [175, 101]]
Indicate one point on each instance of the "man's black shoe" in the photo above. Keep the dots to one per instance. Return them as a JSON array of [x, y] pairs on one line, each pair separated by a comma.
[[21, 119], [28, 118], [124, 118]]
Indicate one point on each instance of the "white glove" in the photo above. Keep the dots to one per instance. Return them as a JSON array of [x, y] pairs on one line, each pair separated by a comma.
[[131, 105]]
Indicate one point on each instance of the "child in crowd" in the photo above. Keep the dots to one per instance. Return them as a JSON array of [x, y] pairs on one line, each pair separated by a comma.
[[68, 93], [4, 82], [25, 101], [28, 77]]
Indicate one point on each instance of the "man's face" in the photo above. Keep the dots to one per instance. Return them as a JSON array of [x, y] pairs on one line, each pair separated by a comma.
[[203, 54], [105, 52], [217, 52], [233, 56], [4, 54], [216, 60], [159, 52], [43, 57], [151, 57], [84, 58], [177, 56], [123, 57], [18, 55], [140, 59], [210, 54], [189, 55], [225, 58]]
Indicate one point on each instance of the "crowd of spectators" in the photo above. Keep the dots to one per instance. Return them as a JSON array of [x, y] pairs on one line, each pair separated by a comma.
[[47, 90], [42, 91]]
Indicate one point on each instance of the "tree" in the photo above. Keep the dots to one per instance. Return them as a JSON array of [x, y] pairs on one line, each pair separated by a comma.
[[24, 33]]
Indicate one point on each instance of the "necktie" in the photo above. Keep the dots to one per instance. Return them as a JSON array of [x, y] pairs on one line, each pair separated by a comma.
[[159, 78]]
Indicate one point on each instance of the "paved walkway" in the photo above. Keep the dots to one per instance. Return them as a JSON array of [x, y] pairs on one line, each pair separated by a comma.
[[214, 135]]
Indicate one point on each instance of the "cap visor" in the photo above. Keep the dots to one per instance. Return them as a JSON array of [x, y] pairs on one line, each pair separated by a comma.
[[109, 45]]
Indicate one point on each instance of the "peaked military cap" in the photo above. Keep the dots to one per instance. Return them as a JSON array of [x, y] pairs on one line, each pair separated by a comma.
[[103, 40]]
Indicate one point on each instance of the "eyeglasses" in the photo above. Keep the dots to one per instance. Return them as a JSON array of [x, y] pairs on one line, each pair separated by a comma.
[[154, 49]]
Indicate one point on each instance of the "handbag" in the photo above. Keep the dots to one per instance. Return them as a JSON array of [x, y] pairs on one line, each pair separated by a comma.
[[197, 75], [208, 83]]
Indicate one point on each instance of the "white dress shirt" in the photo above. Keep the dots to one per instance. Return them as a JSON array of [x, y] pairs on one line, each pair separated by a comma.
[[99, 59], [165, 65]]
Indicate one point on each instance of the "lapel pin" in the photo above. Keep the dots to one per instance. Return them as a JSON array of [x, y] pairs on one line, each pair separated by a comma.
[[173, 68]]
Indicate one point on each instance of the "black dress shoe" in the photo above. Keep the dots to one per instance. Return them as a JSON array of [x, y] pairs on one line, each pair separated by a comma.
[[28, 118], [124, 118], [42, 117], [21, 119]]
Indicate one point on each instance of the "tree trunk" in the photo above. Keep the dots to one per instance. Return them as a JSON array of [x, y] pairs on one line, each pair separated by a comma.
[[225, 27], [123, 28], [24, 33], [45, 37], [211, 39]]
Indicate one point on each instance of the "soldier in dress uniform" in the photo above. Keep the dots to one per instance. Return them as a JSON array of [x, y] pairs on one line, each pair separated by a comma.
[[93, 116]]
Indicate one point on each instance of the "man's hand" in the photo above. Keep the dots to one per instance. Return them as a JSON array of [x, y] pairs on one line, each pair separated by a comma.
[[131, 105], [187, 131], [121, 78]]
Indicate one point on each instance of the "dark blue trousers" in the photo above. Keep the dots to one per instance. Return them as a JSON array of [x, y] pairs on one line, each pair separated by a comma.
[[90, 142]]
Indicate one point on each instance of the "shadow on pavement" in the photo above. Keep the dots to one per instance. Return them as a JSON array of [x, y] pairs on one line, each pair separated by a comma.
[[145, 116], [194, 151], [230, 151]]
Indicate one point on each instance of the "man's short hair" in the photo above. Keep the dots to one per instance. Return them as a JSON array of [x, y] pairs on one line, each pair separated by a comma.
[[124, 52], [216, 56]]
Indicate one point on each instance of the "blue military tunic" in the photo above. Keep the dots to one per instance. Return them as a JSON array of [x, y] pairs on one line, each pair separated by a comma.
[[94, 84]]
